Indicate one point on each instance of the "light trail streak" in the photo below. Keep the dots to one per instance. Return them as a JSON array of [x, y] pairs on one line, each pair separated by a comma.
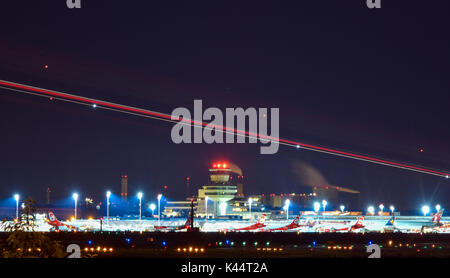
[[11, 86]]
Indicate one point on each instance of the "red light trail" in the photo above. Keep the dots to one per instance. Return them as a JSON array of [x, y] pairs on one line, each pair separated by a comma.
[[11, 86]]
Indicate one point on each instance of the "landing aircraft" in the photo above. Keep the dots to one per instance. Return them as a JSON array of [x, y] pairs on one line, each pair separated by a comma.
[[186, 226]]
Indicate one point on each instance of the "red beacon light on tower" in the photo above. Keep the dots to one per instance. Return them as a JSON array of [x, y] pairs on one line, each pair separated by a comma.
[[220, 166]]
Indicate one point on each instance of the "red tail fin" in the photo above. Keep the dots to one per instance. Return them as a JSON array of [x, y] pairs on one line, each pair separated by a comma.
[[360, 221], [296, 220], [188, 222], [52, 217], [437, 216], [262, 219]]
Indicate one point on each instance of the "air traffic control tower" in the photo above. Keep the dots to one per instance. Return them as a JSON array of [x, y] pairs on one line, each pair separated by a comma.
[[217, 192]]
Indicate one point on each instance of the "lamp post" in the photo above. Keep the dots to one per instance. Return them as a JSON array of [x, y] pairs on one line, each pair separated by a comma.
[[152, 207], [139, 195], [381, 207], [159, 209], [75, 198], [324, 204], [287, 203], [438, 208], [250, 201], [223, 208], [425, 210], [17, 197], [316, 208], [392, 208], [342, 207], [108, 194], [371, 209]]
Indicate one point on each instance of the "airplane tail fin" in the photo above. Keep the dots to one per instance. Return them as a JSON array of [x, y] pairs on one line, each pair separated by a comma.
[[188, 223], [262, 219], [52, 217], [296, 220], [360, 220], [437, 216], [390, 221]]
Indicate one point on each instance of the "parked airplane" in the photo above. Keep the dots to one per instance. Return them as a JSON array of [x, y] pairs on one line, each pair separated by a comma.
[[358, 226], [436, 225], [58, 225], [294, 225], [258, 225], [186, 226], [390, 226]]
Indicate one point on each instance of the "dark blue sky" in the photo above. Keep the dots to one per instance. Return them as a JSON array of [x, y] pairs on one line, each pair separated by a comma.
[[369, 81]]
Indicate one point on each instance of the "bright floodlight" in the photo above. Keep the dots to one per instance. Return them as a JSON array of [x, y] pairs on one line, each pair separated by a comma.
[[75, 198], [371, 209], [152, 207], [324, 203], [16, 197], [159, 196], [381, 207], [139, 195], [286, 204], [342, 208], [425, 210], [438, 207], [108, 194], [392, 208], [316, 206]]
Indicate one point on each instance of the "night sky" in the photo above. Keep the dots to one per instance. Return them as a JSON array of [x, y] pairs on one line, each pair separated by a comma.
[[374, 82]]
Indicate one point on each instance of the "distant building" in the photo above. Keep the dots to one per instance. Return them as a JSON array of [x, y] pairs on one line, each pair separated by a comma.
[[299, 201], [124, 188], [240, 206], [178, 208], [48, 191]]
